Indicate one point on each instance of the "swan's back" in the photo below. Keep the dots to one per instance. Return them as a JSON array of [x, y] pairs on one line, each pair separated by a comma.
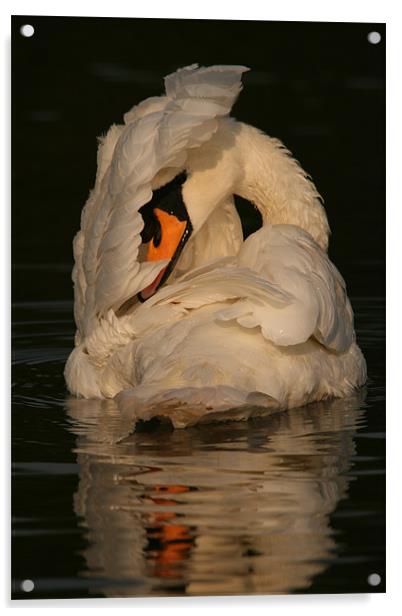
[[274, 320]]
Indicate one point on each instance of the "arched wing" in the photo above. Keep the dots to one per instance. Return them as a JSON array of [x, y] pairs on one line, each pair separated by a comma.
[[289, 258], [281, 281], [157, 134]]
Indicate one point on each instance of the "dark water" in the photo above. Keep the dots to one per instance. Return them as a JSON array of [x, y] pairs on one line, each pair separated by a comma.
[[290, 503], [293, 503]]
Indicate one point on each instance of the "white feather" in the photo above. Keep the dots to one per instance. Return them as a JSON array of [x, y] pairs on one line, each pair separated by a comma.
[[264, 322], [157, 135]]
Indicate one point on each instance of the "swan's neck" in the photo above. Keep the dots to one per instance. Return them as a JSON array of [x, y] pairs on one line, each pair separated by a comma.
[[277, 185], [239, 159]]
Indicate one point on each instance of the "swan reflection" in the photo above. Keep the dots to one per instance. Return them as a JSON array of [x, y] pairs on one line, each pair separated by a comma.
[[226, 508]]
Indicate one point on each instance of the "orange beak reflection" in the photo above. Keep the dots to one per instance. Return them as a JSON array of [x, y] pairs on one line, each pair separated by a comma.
[[172, 542], [166, 245]]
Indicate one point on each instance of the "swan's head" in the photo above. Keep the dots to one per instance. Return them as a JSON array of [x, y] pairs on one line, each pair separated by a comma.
[[183, 200], [167, 228]]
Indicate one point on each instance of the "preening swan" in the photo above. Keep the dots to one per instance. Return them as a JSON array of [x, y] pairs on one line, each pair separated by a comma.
[[177, 315]]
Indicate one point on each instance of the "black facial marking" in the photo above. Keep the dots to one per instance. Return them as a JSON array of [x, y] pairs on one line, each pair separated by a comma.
[[158, 233], [150, 224], [170, 199]]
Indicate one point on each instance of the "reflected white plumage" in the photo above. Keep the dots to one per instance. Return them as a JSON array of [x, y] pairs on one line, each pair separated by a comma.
[[226, 324]]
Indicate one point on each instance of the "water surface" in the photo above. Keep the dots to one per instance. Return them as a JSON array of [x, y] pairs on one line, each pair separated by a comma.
[[284, 504]]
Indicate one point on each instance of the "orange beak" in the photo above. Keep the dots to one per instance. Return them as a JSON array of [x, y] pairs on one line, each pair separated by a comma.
[[172, 232]]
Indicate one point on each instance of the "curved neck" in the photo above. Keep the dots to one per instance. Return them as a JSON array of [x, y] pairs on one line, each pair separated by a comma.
[[240, 159], [274, 181]]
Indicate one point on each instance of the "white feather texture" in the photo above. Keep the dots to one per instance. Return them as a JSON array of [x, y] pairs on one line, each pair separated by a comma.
[[260, 324], [157, 135]]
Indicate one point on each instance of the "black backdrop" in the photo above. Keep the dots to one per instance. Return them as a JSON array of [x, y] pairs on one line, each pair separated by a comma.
[[319, 87]]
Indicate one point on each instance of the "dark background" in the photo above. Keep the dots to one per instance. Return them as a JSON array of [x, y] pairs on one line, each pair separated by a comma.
[[319, 87]]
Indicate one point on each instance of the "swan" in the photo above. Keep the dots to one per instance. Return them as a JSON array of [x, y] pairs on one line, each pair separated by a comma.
[[176, 315]]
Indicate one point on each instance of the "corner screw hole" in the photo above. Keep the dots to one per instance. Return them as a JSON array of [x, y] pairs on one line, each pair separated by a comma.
[[374, 579], [374, 38], [27, 30], [27, 585]]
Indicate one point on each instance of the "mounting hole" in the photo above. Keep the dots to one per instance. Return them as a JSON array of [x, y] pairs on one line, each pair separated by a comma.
[[27, 585], [374, 579], [374, 38], [27, 30]]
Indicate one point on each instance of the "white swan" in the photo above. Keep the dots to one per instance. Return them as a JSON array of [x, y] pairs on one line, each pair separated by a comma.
[[174, 312]]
